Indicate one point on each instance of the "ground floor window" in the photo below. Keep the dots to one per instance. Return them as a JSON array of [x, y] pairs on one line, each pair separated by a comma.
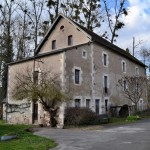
[[97, 102], [106, 105], [87, 103], [77, 102]]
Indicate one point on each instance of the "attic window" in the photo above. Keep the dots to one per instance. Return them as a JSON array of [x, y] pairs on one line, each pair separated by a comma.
[[70, 40], [62, 27], [54, 44]]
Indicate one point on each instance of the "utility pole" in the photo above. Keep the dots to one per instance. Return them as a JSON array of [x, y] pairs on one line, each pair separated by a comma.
[[133, 45], [136, 45]]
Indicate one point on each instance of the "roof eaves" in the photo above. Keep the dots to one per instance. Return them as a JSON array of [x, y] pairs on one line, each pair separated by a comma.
[[49, 53]]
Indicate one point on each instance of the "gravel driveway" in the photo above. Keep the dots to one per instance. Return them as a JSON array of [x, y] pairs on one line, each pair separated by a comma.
[[134, 136]]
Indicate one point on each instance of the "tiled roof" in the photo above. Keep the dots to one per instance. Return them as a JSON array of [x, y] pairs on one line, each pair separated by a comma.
[[104, 42]]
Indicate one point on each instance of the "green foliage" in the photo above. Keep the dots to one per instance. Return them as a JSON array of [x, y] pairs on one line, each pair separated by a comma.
[[133, 118], [114, 21], [25, 140]]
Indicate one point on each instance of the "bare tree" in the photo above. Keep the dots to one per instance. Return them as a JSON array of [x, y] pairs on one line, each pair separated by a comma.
[[34, 13], [44, 87], [136, 44], [145, 54], [133, 88], [114, 17], [22, 34]]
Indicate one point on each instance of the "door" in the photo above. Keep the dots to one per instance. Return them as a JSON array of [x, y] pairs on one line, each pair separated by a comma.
[[97, 102], [35, 112]]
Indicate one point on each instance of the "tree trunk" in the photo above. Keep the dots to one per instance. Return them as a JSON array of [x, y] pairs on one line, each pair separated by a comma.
[[53, 117], [136, 109], [53, 121]]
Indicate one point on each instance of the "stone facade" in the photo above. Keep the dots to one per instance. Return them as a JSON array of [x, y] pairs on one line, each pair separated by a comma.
[[93, 62]]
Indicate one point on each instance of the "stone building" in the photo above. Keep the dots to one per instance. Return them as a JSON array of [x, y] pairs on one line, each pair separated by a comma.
[[89, 67]]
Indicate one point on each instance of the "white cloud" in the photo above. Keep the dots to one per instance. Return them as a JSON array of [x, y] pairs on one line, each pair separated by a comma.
[[137, 24]]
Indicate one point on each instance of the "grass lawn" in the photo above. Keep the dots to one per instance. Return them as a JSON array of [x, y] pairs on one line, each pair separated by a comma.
[[25, 140], [121, 121]]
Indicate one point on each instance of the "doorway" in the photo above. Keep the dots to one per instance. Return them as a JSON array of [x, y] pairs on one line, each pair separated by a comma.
[[35, 112]]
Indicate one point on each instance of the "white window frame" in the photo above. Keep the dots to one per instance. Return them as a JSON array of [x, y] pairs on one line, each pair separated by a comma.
[[106, 98], [136, 71], [80, 75], [124, 68], [84, 51], [107, 62], [125, 85], [107, 83], [77, 97], [107, 80], [89, 103]]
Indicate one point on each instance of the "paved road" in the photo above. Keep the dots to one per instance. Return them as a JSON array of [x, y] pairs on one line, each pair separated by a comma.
[[135, 136]]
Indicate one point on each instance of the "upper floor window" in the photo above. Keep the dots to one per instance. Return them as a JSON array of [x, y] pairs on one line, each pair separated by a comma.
[[77, 76], [54, 44], [70, 40], [84, 54], [123, 66], [124, 85], [136, 70], [105, 59], [106, 84], [106, 105], [35, 77], [62, 27], [77, 102]]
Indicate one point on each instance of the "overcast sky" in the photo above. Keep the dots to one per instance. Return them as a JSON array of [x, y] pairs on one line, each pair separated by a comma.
[[137, 24]]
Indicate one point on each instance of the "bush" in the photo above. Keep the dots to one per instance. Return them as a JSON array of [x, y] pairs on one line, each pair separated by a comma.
[[144, 113], [80, 116], [133, 118]]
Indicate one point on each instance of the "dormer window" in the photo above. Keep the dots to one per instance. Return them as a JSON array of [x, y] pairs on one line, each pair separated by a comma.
[[54, 44], [70, 40]]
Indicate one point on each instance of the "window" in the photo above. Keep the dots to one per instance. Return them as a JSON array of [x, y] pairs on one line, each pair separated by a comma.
[[77, 102], [123, 67], [106, 105], [35, 77], [105, 59], [70, 40], [124, 85], [105, 84], [136, 70], [84, 54], [87, 103], [54, 44], [77, 76], [62, 27], [97, 101]]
